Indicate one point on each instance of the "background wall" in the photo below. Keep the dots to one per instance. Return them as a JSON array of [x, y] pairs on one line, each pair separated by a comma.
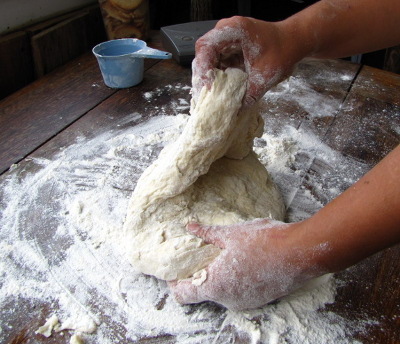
[[17, 13], [28, 52], [37, 36]]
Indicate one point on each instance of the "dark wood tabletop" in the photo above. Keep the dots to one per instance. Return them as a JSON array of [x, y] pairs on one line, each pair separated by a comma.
[[363, 125]]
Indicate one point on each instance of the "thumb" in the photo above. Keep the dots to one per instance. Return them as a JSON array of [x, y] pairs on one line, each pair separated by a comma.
[[216, 235], [260, 81]]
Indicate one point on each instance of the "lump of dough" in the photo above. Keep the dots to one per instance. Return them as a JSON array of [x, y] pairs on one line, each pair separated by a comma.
[[209, 175]]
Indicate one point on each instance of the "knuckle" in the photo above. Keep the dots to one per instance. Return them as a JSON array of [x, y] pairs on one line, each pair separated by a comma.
[[235, 21], [200, 42]]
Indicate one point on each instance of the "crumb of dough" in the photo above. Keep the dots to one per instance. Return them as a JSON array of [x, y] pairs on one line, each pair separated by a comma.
[[50, 324], [76, 339], [199, 277]]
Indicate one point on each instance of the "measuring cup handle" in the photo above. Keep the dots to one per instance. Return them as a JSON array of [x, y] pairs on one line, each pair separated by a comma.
[[152, 53]]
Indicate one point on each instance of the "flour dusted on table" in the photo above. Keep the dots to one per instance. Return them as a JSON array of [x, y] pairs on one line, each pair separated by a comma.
[[208, 175], [75, 269]]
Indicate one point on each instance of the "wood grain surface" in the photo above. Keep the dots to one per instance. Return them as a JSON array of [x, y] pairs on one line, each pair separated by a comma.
[[363, 124], [38, 112]]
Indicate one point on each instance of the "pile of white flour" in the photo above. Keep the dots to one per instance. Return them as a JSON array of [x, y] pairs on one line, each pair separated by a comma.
[[64, 253]]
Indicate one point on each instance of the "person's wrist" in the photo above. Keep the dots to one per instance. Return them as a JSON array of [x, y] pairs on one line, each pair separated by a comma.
[[297, 248], [316, 250], [298, 40]]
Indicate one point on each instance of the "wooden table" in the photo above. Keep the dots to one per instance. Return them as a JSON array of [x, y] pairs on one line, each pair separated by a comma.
[[363, 124]]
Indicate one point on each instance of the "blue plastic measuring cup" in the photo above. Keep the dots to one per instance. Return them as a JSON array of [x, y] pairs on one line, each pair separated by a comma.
[[121, 61]]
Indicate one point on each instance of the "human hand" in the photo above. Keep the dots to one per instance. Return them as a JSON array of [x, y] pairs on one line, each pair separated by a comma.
[[262, 49], [260, 261]]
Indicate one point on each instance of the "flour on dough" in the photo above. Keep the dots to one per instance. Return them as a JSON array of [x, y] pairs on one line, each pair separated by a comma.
[[210, 175]]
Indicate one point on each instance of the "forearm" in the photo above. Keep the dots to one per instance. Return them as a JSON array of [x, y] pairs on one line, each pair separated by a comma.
[[333, 29], [363, 220]]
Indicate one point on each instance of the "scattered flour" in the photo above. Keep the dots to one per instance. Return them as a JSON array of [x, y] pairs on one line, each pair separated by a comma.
[[148, 95], [63, 255], [306, 98]]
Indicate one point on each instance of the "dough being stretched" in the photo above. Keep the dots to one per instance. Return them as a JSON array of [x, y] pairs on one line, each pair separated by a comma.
[[210, 175]]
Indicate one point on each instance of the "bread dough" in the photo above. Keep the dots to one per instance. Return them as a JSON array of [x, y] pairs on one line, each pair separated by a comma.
[[209, 175]]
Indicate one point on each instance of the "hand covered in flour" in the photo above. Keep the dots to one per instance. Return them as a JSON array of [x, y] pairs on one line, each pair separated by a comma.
[[260, 262], [263, 260], [267, 51], [257, 47]]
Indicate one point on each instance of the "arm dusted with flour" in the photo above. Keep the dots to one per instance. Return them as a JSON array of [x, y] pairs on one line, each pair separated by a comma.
[[363, 220], [268, 51], [264, 260]]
